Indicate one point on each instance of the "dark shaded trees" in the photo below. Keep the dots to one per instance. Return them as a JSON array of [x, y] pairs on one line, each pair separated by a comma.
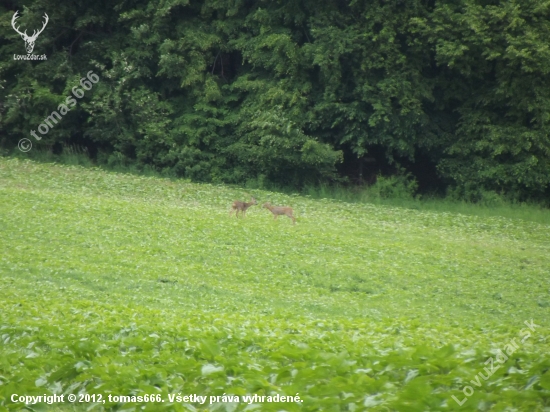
[[229, 90]]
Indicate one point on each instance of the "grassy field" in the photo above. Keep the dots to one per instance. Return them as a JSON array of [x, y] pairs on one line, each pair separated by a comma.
[[121, 285]]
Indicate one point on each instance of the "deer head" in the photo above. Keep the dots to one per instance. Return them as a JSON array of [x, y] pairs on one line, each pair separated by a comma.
[[29, 40]]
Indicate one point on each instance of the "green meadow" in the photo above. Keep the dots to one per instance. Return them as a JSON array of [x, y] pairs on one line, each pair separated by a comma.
[[125, 285]]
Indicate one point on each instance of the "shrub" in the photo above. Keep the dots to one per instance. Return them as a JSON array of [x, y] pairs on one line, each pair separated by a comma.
[[401, 186]]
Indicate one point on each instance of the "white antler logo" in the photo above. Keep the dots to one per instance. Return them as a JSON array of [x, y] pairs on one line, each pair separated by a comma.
[[29, 40]]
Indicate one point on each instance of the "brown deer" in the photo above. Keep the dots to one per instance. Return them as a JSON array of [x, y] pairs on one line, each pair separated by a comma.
[[241, 206], [280, 210]]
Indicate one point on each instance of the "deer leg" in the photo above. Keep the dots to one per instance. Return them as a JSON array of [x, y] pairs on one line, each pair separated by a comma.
[[291, 217]]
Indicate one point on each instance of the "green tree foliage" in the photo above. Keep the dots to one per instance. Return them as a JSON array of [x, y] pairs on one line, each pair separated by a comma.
[[232, 90], [494, 66]]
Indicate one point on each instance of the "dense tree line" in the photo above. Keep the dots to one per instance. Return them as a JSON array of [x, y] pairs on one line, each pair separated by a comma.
[[293, 91]]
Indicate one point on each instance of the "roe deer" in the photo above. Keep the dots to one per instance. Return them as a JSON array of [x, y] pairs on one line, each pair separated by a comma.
[[242, 206], [280, 210]]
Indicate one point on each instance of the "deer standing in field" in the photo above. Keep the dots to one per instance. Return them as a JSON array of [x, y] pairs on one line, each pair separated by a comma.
[[280, 210], [241, 206]]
